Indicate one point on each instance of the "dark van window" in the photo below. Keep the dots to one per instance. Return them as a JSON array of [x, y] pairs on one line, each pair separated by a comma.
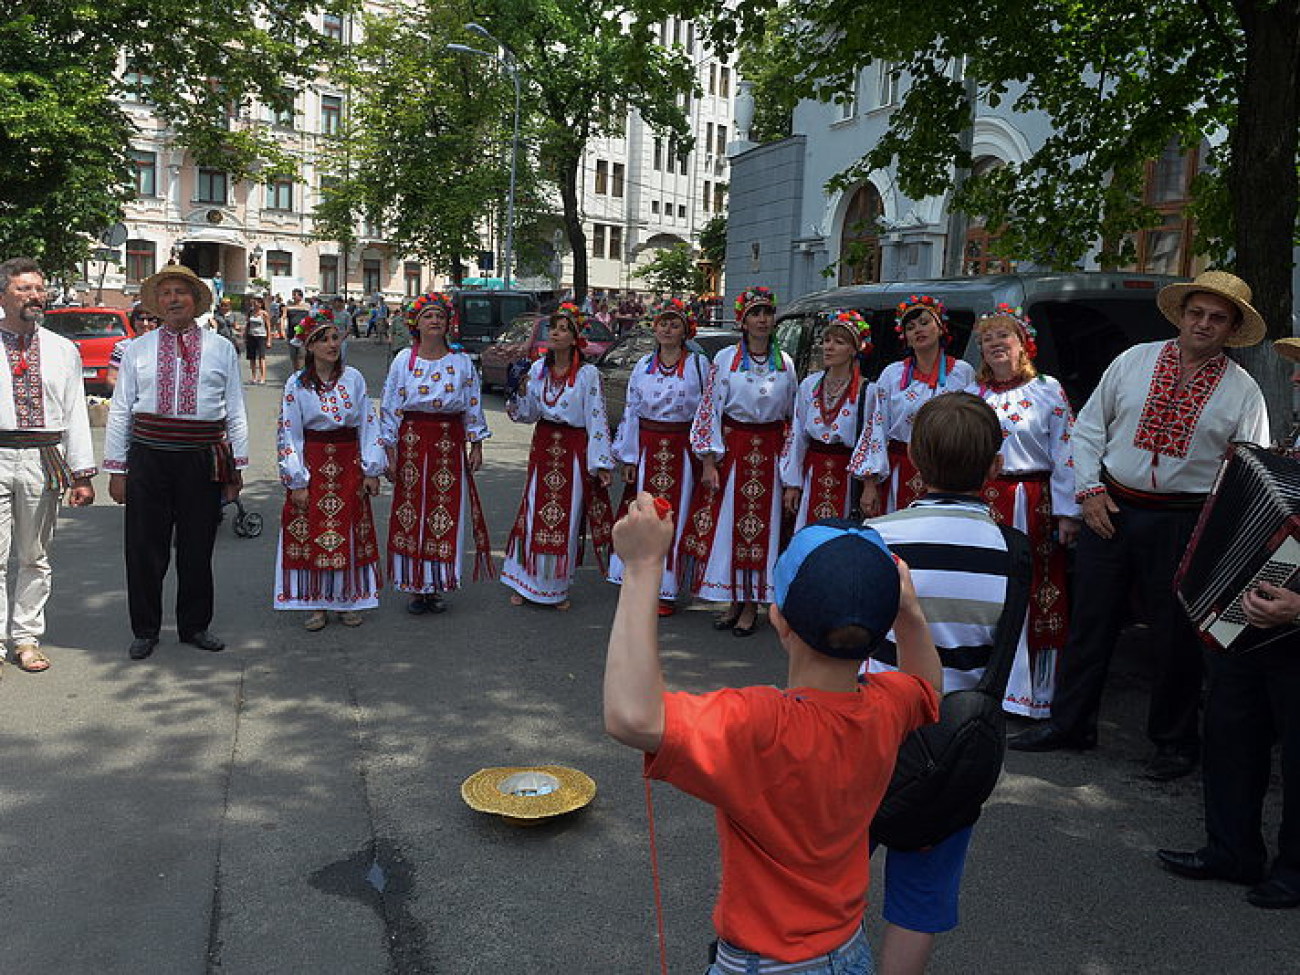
[[512, 306], [477, 311]]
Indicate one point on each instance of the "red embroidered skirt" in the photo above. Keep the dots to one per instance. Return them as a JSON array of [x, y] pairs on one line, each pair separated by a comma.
[[753, 453], [424, 526], [1049, 607], [905, 478], [556, 450], [665, 450], [826, 473], [336, 531]]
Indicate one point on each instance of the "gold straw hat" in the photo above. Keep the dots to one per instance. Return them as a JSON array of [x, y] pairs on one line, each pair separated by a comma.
[[1227, 286], [202, 293], [528, 795], [1288, 349]]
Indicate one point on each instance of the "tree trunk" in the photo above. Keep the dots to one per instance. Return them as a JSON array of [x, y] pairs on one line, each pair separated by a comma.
[[1263, 181], [568, 183]]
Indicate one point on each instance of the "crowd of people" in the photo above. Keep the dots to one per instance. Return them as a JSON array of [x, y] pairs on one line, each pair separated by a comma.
[[760, 472]]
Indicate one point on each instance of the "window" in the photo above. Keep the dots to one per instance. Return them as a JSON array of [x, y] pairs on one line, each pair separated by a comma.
[[722, 140], [372, 226], [282, 118], [136, 81], [602, 177], [332, 27], [211, 186], [719, 197], [654, 207], [598, 240], [683, 163], [713, 81], [371, 272], [141, 260], [412, 280], [977, 255], [708, 138], [279, 195], [849, 107], [1166, 248], [331, 114], [677, 31], [615, 243], [616, 183], [146, 172], [859, 261], [659, 153], [279, 264], [329, 274], [328, 184], [724, 82], [887, 93], [690, 38], [708, 188]]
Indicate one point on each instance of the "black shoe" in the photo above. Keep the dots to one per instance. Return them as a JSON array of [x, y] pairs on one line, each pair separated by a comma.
[[727, 621], [433, 604], [417, 606], [141, 647], [1169, 763], [1047, 738], [1195, 865], [204, 641], [1274, 894], [739, 630]]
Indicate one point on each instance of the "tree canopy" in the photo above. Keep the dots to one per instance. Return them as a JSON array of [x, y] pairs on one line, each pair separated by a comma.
[[672, 271]]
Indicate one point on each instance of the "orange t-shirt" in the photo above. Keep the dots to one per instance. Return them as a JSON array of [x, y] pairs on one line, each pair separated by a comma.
[[796, 777]]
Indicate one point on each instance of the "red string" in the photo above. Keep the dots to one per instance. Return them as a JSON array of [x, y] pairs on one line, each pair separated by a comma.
[[654, 873]]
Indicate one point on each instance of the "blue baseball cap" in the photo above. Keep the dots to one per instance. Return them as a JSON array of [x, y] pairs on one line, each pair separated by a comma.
[[837, 573]]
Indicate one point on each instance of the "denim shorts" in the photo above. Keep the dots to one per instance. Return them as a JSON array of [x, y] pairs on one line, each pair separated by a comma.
[[851, 958], [922, 887]]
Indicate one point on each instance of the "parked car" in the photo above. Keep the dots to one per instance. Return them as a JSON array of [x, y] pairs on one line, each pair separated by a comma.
[[1084, 319], [617, 364], [484, 315], [95, 331], [525, 338]]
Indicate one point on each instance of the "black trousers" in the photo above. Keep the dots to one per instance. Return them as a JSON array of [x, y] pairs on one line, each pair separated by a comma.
[[1253, 703], [170, 498], [1143, 554]]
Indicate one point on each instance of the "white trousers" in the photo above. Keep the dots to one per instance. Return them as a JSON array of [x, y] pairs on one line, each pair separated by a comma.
[[27, 516]]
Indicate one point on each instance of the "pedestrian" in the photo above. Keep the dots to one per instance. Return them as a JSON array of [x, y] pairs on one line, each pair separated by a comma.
[[959, 563], [330, 464], [294, 313], [569, 468], [343, 318], [223, 320], [653, 443], [829, 414], [1253, 703], [1033, 492], [1147, 447], [257, 340], [432, 427], [880, 459], [795, 776], [276, 309], [734, 523], [176, 442], [142, 320], [45, 455]]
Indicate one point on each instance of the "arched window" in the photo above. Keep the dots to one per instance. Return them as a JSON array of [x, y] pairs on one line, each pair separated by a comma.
[[860, 237], [977, 255]]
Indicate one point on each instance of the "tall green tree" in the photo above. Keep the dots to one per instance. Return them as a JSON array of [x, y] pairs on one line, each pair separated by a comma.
[[64, 170], [672, 270], [585, 64]]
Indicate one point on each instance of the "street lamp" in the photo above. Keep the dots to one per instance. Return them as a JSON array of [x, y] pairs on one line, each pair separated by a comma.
[[512, 65]]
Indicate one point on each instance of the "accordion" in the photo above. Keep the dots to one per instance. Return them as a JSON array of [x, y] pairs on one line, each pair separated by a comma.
[[1249, 532]]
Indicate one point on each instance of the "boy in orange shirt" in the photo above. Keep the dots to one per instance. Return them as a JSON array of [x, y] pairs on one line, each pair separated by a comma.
[[795, 775]]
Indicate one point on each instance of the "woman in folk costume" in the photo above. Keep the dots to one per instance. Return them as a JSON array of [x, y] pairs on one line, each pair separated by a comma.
[[730, 544], [830, 413], [925, 370], [432, 427], [1034, 492], [330, 464], [653, 442], [569, 468]]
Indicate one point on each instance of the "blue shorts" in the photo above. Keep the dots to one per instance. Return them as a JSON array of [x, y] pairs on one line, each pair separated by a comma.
[[922, 887]]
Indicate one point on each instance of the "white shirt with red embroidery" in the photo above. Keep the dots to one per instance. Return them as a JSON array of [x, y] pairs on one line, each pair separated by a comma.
[[663, 397], [1149, 436], [41, 389], [579, 405], [447, 385], [342, 405], [810, 423], [156, 376], [748, 393], [1037, 435]]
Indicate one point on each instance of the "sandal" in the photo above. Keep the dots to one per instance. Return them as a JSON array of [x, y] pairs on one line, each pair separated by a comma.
[[28, 657], [316, 621], [349, 618]]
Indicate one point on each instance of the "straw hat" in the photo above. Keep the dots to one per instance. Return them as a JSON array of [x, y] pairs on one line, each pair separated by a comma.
[[1288, 348], [1227, 286], [202, 293], [528, 795]]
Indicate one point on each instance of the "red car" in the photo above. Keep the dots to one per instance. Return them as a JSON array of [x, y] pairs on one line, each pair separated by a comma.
[[525, 338], [95, 331]]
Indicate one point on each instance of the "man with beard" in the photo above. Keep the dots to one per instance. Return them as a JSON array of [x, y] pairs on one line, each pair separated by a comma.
[[45, 451]]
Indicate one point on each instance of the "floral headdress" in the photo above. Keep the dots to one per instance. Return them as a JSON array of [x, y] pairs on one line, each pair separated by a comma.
[[904, 311], [577, 320], [675, 306], [313, 324], [437, 299], [858, 328], [1003, 311], [747, 301], [752, 298]]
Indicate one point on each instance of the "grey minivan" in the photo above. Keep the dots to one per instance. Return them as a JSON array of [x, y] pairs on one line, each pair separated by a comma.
[[1084, 319]]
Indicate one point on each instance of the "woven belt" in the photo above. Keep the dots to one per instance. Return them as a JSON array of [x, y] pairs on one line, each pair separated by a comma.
[[338, 435], [663, 426], [172, 433], [23, 439], [835, 449], [1150, 500]]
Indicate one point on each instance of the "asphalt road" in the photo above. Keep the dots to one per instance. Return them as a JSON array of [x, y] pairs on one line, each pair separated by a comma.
[[238, 812]]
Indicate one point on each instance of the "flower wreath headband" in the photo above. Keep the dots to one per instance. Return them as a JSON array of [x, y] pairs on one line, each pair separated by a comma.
[[858, 328], [1028, 334], [675, 306], [439, 300], [752, 298], [312, 324], [933, 305], [577, 320]]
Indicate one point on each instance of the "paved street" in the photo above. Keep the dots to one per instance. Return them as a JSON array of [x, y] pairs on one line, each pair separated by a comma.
[[222, 812]]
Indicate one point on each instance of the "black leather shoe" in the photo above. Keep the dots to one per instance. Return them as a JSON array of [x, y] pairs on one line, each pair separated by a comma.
[[433, 604], [1195, 865], [204, 641], [1169, 763], [417, 606], [1046, 737], [141, 647], [1274, 894]]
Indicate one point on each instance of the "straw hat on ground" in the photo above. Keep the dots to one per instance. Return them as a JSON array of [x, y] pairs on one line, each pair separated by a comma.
[[527, 795], [202, 293], [1227, 286]]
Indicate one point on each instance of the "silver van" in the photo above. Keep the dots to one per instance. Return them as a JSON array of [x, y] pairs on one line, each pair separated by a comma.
[[1084, 319]]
